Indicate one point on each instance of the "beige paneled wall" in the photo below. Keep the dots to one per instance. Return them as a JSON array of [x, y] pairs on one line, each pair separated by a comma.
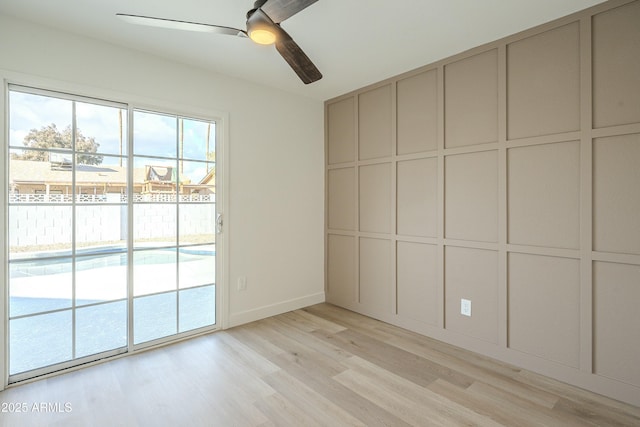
[[509, 176]]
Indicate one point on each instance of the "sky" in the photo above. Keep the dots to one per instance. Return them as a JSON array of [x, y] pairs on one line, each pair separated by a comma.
[[155, 135]]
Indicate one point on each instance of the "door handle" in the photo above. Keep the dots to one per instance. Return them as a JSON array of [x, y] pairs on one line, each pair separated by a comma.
[[218, 223]]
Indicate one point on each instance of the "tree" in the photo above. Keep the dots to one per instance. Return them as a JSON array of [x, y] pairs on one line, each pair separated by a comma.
[[49, 137]]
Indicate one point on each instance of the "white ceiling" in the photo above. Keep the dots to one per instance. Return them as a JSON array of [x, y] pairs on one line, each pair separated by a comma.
[[352, 42]]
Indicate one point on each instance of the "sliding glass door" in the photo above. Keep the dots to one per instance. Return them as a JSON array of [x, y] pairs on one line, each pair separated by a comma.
[[111, 229], [173, 226]]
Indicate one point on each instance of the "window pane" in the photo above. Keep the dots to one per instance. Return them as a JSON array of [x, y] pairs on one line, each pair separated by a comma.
[[103, 183], [154, 271], [197, 308], [154, 225], [197, 140], [197, 223], [155, 180], [101, 129], [101, 277], [101, 226], [197, 266], [155, 134], [101, 328], [39, 341], [36, 231], [197, 181], [36, 121], [39, 285], [35, 179], [154, 317]]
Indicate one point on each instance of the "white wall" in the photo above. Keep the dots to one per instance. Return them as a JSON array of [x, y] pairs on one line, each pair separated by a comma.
[[274, 219]]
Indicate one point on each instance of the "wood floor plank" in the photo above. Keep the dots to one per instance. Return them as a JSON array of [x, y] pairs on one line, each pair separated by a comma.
[[298, 353], [321, 365], [251, 334], [406, 364], [389, 400], [436, 405], [309, 340], [575, 399], [481, 405], [498, 375], [372, 328], [284, 413], [526, 408], [597, 413], [357, 405], [242, 354], [309, 322], [314, 404]]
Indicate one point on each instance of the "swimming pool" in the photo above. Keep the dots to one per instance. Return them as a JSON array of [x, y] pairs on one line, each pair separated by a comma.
[[46, 263]]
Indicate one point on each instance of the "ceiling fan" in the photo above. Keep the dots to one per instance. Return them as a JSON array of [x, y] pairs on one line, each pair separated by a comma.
[[263, 27]]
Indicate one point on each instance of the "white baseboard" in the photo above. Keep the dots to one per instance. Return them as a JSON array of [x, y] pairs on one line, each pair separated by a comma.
[[237, 319]]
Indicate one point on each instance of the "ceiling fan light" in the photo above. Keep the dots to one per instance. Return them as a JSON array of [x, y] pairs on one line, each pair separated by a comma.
[[262, 36]]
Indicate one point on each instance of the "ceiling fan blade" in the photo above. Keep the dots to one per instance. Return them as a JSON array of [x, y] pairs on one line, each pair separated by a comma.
[[279, 10], [180, 25], [296, 58]]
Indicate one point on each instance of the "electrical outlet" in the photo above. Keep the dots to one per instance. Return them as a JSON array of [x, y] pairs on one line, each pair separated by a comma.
[[465, 307], [242, 283]]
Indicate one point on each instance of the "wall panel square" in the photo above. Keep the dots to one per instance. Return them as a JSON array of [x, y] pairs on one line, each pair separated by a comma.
[[417, 295], [417, 113], [417, 208], [544, 307], [342, 199], [471, 100], [341, 269], [472, 274], [617, 321], [543, 83], [616, 194], [616, 66], [377, 286], [544, 195], [471, 196], [375, 198], [341, 131], [374, 123]]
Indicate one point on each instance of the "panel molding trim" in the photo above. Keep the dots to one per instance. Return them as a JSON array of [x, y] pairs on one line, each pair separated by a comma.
[[508, 175]]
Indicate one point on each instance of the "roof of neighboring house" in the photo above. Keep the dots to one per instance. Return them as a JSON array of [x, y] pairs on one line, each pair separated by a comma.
[[39, 172], [30, 171], [209, 178]]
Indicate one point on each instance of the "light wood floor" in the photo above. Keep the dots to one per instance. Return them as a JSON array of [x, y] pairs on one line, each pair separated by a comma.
[[319, 366]]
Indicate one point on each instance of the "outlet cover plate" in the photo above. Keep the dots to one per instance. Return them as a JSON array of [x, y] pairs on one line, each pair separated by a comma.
[[242, 283], [465, 307]]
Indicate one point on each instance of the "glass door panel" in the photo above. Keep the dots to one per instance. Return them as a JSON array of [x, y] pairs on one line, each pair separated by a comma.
[[100, 328], [174, 221], [40, 340], [197, 224], [101, 278], [40, 286], [154, 317], [197, 308], [67, 190], [154, 225], [154, 271], [197, 266]]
